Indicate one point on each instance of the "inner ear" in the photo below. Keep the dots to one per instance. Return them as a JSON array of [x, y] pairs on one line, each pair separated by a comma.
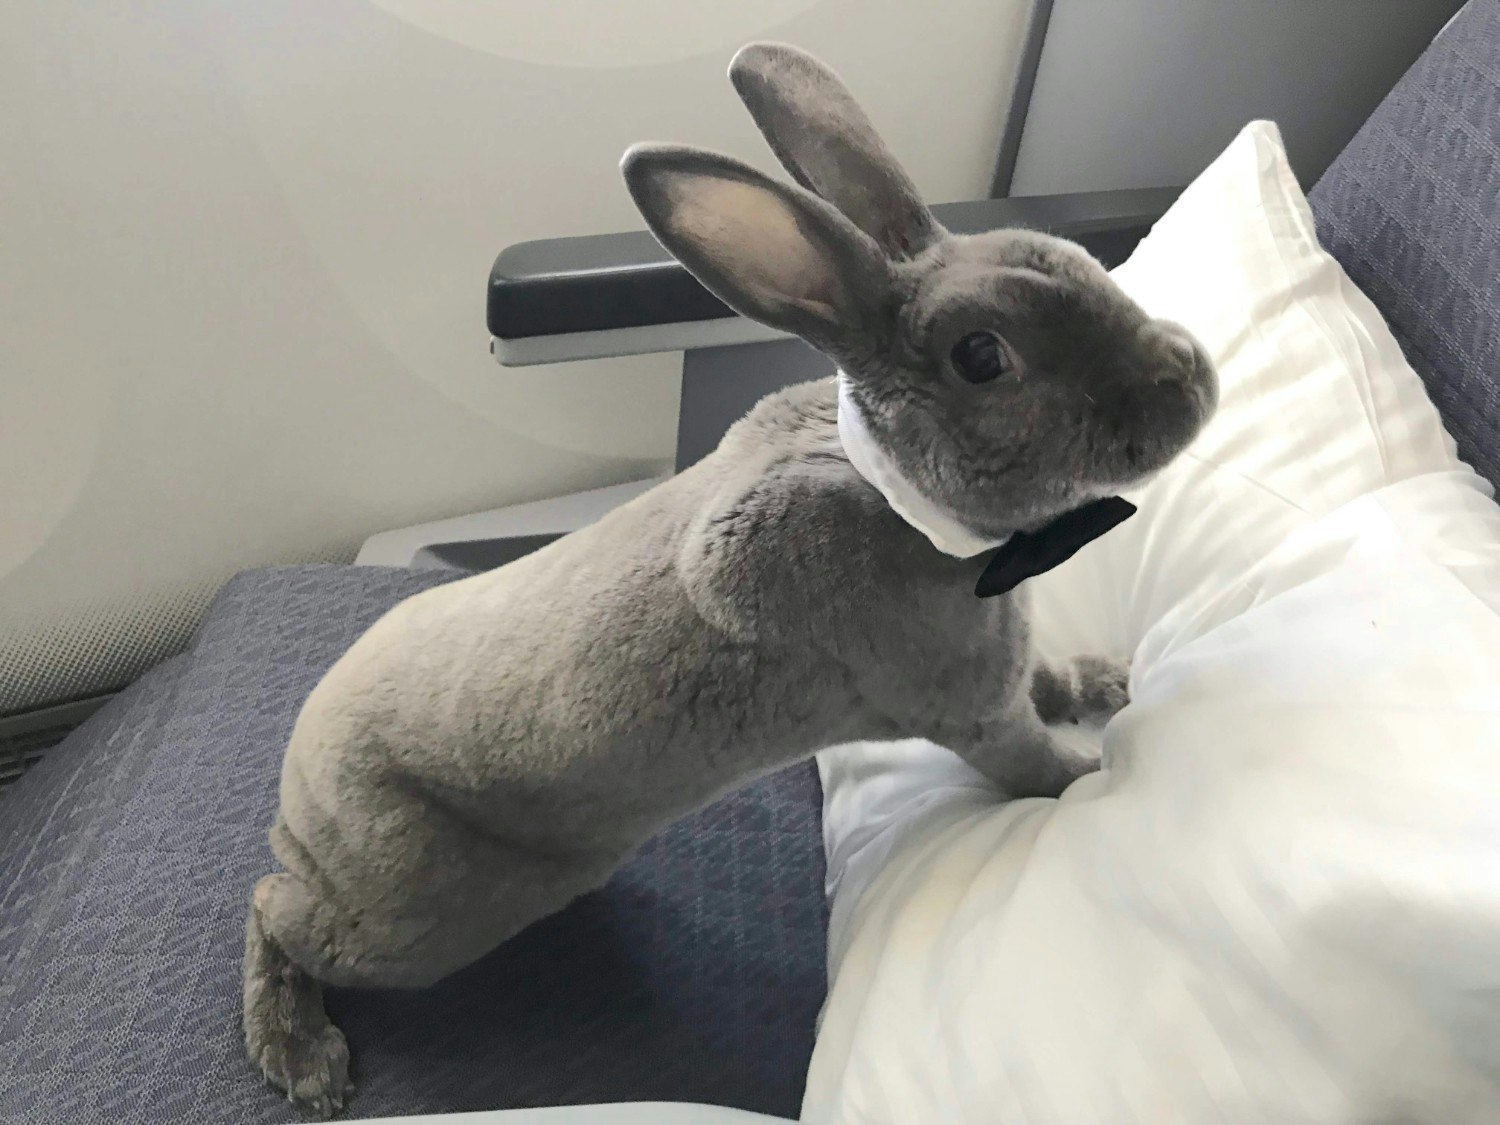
[[771, 251], [757, 238]]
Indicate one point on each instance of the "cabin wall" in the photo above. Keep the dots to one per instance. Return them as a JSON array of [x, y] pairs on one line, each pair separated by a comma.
[[1145, 93], [246, 245]]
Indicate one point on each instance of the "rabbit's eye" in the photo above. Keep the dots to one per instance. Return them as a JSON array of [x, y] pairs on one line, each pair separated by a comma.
[[980, 357]]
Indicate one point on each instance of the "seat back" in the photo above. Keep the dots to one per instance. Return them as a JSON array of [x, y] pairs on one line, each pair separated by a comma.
[[1411, 208]]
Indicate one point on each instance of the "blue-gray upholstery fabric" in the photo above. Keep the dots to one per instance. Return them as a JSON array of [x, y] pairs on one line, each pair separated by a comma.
[[127, 854], [1411, 209]]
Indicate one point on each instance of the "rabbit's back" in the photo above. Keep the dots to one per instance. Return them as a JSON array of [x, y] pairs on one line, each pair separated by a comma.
[[754, 609]]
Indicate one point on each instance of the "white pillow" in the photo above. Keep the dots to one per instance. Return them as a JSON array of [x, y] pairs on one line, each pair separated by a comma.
[[1280, 901]]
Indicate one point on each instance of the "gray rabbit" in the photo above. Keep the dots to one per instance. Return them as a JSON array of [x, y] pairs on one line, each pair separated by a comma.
[[493, 748]]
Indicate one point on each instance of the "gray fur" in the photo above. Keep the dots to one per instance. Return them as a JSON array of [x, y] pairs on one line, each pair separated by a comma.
[[1087, 689], [823, 138], [495, 747]]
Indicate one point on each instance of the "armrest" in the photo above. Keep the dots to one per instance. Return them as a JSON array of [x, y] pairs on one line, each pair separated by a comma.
[[617, 294], [484, 540]]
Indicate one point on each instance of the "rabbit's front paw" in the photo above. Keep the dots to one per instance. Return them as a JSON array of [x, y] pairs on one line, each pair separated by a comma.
[[1103, 688], [1089, 689]]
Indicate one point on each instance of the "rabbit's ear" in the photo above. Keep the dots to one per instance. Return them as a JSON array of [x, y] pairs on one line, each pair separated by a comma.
[[773, 252], [824, 139]]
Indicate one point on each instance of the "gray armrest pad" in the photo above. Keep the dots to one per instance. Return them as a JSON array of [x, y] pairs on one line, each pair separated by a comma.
[[597, 283], [498, 535]]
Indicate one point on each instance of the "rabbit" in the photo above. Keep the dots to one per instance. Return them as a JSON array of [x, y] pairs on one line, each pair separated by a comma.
[[493, 748]]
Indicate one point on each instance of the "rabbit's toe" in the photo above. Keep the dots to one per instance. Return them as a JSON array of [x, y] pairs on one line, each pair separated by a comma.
[[1103, 688]]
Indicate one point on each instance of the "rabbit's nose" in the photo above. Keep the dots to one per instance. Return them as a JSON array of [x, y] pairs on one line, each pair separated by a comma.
[[1184, 359]]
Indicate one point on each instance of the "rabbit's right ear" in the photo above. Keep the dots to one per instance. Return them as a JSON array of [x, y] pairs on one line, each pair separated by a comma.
[[822, 137], [772, 252]]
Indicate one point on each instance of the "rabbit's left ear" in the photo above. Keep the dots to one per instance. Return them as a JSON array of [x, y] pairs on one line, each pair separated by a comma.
[[773, 252], [822, 137]]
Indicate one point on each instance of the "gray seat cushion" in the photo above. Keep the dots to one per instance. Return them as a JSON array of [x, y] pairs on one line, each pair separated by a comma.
[[1412, 210], [126, 857]]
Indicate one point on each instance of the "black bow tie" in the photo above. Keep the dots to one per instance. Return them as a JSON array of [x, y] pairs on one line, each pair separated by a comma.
[[1029, 553]]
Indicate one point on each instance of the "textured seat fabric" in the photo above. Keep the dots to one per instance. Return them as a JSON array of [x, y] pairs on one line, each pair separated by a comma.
[[1411, 209], [129, 852]]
